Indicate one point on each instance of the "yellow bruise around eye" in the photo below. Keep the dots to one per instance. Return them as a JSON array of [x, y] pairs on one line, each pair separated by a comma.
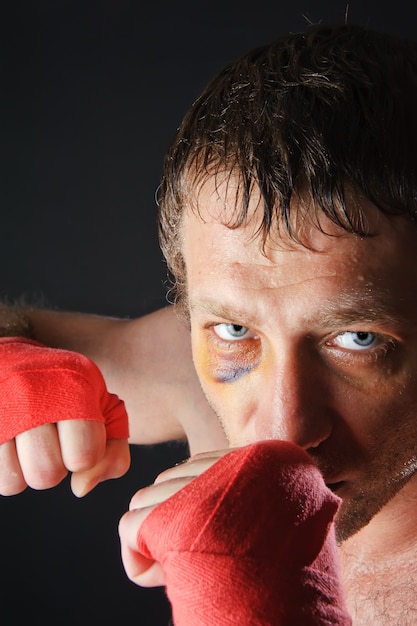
[[201, 357], [218, 364]]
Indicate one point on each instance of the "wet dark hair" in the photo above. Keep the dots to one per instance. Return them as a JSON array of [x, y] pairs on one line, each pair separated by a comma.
[[311, 113]]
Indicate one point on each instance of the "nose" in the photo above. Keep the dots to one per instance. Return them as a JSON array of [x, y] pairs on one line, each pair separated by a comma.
[[296, 403]]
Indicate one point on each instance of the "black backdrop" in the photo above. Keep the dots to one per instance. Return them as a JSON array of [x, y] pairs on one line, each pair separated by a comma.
[[91, 93]]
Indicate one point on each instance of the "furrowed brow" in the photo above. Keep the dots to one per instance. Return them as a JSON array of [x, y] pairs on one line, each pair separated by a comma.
[[349, 309], [221, 310], [344, 310]]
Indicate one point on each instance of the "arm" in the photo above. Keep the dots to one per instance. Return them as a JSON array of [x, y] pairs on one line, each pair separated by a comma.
[[146, 362], [245, 537]]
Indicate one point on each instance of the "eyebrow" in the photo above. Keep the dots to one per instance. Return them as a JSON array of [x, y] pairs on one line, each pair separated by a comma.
[[346, 309], [363, 313], [219, 309]]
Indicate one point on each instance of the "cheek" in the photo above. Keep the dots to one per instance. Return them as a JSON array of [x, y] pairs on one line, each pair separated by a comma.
[[200, 356], [213, 378], [224, 362], [380, 416]]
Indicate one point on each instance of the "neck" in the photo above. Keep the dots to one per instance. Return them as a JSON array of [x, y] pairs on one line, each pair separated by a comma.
[[392, 531], [379, 564]]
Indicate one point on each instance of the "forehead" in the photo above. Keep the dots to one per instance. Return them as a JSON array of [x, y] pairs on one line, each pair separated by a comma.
[[222, 199], [224, 263]]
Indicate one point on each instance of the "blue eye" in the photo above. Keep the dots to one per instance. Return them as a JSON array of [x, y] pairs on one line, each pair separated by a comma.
[[231, 332], [357, 340]]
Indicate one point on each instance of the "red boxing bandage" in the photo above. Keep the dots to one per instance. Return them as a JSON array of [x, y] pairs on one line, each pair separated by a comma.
[[40, 385], [250, 542]]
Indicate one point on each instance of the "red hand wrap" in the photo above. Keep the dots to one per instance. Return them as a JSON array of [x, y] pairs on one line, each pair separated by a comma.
[[41, 385], [250, 542]]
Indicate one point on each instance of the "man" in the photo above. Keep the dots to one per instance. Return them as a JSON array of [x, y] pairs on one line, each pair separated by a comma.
[[287, 218]]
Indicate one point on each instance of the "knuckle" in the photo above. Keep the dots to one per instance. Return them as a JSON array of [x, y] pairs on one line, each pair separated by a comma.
[[121, 525], [12, 481], [82, 443], [81, 461], [124, 526], [45, 479], [140, 498], [117, 458], [121, 466], [12, 487]]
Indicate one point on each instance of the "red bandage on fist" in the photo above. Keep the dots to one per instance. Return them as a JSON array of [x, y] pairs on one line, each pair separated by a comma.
[[250, 542], [40, 385]]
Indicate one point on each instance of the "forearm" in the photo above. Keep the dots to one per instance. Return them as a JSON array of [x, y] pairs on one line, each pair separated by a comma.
[[147, 362], [124, 350]]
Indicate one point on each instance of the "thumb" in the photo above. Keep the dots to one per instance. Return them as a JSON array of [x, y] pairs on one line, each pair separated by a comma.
[[115, 463]]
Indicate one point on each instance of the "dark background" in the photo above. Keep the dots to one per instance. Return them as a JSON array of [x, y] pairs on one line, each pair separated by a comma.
[[91, 93]]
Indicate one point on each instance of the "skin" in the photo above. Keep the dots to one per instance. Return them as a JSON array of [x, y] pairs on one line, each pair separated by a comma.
[[328, 352], [135, 357], [140, 570], [43, 456], [317, 347]]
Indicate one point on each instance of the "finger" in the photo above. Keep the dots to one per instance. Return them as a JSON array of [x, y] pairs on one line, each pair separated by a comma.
[[211, 453], [40, 457], [83, 443], [115, 463], [157, 493], [12, 481], [193, 466], [141, 570]]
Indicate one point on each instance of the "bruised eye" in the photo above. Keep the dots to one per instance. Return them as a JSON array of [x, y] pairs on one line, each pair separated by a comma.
[[357, 340], [231, 332]]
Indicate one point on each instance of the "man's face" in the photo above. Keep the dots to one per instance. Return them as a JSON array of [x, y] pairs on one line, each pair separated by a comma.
[[315, 347]]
